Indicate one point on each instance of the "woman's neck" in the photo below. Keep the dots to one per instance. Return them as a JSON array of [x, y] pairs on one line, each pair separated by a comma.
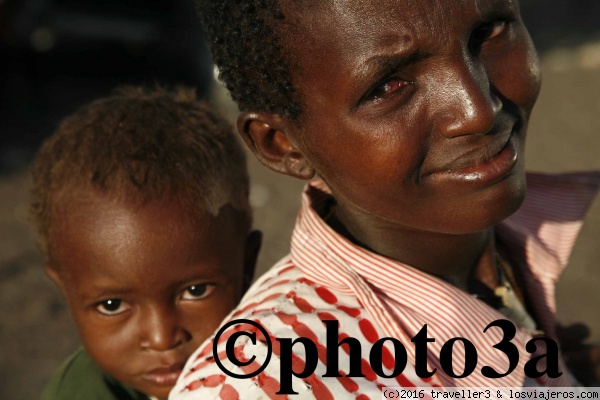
[[454, 258]]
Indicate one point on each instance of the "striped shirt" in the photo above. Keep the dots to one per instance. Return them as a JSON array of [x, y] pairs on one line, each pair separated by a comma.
[[326, 277]]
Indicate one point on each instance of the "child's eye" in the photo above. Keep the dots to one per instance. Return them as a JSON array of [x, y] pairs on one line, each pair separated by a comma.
[[197, 292], [488, 31], [112, 307], [386, 89]]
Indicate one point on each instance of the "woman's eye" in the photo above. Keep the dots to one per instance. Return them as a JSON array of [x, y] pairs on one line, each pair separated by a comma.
[[112, 307], [197, 292], [488, 31], [387, 89]]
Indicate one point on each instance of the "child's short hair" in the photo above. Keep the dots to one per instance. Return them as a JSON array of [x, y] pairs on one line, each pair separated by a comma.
[[252, 63], [140, 145]]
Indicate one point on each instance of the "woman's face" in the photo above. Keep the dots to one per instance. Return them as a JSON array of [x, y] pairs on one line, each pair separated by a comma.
[[415, 112]]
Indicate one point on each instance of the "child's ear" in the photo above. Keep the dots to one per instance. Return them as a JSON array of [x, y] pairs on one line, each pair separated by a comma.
[[54, 276], [253, 243], [268, 136]]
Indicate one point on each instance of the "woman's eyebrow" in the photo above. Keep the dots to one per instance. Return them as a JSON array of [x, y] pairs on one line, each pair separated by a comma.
[[390, 49], [383, 62]]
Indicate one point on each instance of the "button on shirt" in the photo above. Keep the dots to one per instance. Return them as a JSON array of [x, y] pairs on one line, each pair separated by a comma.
[[326, 277]]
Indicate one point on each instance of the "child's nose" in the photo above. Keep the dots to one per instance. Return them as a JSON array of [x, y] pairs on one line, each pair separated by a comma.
[[162, 330], [466, 101]]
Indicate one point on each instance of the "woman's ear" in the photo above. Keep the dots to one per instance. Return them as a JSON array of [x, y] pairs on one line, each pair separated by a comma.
[[268, 136]]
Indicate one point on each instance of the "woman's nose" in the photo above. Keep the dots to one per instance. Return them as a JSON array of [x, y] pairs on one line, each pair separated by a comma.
[[162, 329], [467, 103]]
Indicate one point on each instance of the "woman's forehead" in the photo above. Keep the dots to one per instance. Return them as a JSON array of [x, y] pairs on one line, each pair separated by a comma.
[[315, 13], [363, 28], [344, 46]]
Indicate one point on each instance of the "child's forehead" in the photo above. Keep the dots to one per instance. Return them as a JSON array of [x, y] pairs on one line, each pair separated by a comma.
[[108, 219], [101, 237], [128, 214]]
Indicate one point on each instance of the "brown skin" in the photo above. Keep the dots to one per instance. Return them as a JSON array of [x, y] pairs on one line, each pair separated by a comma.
[[399, 97], [145, 285]]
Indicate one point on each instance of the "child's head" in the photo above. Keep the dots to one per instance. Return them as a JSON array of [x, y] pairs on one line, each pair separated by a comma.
[[413, 112], [141, 205]]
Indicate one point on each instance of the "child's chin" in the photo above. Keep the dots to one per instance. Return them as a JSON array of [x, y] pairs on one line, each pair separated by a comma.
[[159, 393]]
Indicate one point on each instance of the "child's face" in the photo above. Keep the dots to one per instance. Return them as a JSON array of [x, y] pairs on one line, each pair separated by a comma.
[[146, 287], [415, 112]]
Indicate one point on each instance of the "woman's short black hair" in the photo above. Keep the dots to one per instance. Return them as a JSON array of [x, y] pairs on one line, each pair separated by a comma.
[[244, 41]]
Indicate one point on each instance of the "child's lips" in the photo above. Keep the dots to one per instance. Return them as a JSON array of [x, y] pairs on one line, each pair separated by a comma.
[[164, 376]]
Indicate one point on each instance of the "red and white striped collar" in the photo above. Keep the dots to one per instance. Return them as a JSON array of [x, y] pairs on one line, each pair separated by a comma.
[[401, 298]]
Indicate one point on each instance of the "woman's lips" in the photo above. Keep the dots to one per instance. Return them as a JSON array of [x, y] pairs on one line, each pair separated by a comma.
[[164, 376], [487, 167]]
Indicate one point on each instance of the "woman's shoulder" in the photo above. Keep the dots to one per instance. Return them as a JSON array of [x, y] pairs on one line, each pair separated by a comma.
[[286, 290]]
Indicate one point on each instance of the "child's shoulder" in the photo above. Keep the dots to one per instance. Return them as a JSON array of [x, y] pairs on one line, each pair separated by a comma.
[[79, 377]]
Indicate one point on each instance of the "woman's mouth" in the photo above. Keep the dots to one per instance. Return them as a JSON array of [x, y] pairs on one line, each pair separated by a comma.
[[485, 167]]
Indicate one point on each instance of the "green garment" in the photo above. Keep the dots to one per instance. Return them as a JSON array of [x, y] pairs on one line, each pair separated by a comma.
[[79, 378]]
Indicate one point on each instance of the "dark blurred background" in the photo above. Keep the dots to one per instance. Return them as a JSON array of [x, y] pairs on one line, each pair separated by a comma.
[[56, 55]]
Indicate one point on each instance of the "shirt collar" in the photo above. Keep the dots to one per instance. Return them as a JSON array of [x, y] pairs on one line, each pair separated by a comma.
[[544, 229]]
